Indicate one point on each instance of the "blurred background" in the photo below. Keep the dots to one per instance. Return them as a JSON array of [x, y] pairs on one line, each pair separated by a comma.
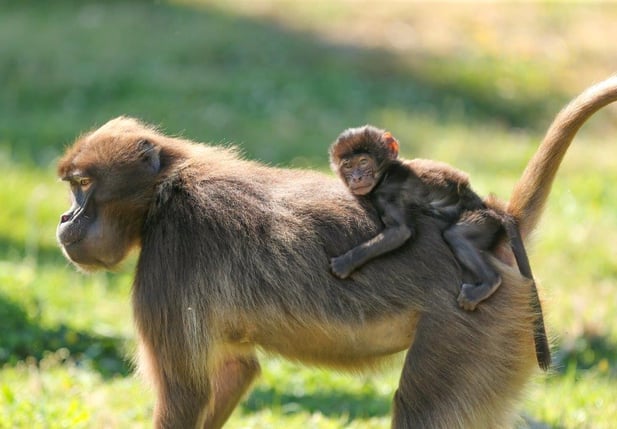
[[472, 84]]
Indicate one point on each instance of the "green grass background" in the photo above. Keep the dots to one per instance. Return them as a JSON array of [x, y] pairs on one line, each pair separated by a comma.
[[472, 84]]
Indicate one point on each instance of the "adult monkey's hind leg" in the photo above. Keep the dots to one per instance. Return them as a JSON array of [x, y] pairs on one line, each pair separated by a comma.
[[466, 370]]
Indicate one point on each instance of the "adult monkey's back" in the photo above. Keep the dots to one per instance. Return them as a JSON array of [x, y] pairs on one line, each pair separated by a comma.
[[234, 257]]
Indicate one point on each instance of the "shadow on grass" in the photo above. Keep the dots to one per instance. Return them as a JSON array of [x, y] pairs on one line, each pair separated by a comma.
[[223, 76], [23, 338], [587, 351], [330, 403]]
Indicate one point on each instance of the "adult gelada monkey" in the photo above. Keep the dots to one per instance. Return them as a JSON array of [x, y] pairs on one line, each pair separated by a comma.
[[234, 257], [366, 159]]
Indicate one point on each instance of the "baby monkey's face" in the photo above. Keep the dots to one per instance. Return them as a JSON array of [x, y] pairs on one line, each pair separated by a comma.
[[359, 171]]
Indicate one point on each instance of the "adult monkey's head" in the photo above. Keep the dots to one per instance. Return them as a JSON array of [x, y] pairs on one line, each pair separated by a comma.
[[112, 173]]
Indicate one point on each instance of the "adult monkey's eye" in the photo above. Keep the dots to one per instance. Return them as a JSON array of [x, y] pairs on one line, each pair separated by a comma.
[[85, 182]]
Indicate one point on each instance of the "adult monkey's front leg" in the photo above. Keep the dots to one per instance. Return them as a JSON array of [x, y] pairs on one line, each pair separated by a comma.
[[230, 381]]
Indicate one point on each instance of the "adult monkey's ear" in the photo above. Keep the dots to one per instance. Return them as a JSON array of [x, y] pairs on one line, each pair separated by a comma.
[[391, 144], [149, 154]]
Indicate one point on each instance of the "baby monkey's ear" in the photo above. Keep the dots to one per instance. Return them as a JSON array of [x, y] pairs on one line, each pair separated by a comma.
[[391, 144]]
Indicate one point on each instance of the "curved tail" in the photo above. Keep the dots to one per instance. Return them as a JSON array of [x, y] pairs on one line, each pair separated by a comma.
[[531, 192]]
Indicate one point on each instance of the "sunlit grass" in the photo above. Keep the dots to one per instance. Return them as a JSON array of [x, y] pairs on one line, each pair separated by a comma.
[[590, 401], [57, 394]]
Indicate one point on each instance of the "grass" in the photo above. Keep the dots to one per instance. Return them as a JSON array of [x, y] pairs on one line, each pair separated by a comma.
[[282, 79]]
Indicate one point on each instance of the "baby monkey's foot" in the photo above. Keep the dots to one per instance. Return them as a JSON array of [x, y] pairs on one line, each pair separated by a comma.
[[471, 295], [466, 299]]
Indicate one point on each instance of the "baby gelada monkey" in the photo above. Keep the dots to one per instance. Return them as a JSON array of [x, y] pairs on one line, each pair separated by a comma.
[[366, 159]]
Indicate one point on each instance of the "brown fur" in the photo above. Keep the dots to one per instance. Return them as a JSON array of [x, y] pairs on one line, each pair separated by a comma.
[[366, 159], [234, 256]]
